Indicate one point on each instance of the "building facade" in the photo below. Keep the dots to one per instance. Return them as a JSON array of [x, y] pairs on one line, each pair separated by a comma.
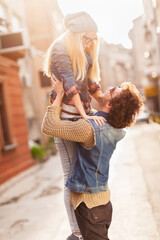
[[43, 28], [24, 90], [116, 65], [138, 50], [14, 151], [146, 54], [152, 28]]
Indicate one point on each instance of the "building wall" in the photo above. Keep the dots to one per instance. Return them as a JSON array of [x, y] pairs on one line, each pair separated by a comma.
[[46, 25], [116, 65], [105, 68], [146, 55], [40, 28], [137, 36], [43, 28], [18, 157], [14, 13], [15, 154]]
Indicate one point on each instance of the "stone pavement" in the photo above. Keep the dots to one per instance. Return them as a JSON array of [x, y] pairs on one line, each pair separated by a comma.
[[32, 208], [133, 216], [31, 204]]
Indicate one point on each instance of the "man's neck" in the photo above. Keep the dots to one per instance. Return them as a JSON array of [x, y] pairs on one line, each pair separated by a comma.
[[103, 109]]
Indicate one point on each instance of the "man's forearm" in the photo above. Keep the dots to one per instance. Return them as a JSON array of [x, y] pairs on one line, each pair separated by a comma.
[[58, 99], [78, 131]]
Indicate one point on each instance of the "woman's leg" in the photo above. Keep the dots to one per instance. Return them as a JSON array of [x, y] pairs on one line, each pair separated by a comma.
[[66, 150]]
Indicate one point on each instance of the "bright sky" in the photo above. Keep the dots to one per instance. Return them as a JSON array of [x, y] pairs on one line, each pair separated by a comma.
[[113, 17]]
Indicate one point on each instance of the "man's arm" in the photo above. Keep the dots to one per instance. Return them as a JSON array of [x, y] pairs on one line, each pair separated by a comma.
[[78, 131]]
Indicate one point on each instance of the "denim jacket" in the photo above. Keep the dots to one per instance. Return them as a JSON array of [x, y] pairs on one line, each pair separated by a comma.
[[90, 169], [61, 67]]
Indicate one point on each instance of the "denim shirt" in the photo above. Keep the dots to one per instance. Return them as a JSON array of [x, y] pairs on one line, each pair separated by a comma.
[[61, 67], [90, 169]]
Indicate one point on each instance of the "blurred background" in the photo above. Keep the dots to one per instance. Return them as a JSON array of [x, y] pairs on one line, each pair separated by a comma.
[[129, 33]]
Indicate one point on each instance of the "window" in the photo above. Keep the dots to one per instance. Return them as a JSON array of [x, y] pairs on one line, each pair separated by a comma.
[[3, 119], [3, 19], [3, 12], [16, 24], [45, 81]]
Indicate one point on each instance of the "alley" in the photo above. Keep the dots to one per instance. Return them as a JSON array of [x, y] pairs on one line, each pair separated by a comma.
[[134, 177], [31, 204]]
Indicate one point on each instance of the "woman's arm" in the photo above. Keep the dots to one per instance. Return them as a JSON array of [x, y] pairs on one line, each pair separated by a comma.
[[97, 94], [61, 67], [94, 89], [78, 104]]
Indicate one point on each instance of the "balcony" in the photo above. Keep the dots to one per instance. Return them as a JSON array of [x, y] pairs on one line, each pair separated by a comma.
[[12, 45]]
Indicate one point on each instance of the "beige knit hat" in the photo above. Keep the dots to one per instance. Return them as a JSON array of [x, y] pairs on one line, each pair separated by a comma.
[[80, 22]]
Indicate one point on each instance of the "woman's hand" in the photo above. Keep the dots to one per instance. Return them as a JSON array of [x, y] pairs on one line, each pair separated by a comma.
[[57, 85], [97, 119]]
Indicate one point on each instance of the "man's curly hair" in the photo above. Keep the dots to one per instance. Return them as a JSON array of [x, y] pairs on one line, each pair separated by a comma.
[[125, 106]]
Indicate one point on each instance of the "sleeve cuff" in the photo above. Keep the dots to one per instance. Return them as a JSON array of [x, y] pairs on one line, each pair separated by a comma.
[[93, 88], [52, 96], [56, 110], [72, 91]]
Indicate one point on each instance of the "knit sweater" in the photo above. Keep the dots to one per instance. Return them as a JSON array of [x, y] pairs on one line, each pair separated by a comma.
[[78, 131]]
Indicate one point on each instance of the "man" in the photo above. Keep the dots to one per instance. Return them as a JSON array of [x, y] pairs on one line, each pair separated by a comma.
[[90, 195]]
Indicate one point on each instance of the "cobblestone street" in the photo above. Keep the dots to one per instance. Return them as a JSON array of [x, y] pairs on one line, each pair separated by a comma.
[[31, 204]]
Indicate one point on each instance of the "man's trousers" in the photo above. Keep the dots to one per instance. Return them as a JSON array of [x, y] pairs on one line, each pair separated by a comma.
[[94, 223]]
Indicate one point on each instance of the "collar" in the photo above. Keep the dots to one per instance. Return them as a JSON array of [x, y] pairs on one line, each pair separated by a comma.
[[101, 113]]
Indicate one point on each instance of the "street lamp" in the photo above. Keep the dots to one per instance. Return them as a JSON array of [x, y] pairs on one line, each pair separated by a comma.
[[154, 74], [146, 54], [158, 29], [154, 3]]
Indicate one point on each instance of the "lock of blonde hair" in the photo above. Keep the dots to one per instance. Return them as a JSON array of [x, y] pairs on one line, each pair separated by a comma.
[[74, 46]]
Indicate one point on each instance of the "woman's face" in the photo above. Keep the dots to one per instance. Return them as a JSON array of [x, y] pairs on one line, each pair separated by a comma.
[[88, 39]]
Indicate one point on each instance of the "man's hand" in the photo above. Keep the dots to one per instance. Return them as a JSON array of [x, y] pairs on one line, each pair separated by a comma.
[[57, 85]]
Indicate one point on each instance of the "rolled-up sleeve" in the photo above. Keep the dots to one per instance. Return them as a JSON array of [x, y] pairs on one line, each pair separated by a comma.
[[61, 61], [52, 96], [93, 87]]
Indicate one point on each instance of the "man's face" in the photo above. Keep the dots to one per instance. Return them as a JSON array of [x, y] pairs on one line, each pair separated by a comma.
[[111, 93]]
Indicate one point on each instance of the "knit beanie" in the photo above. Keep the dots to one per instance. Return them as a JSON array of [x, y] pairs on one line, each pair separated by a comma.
[[80, 22]]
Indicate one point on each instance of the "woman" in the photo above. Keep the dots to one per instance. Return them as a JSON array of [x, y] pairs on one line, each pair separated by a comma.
[[73, 58]]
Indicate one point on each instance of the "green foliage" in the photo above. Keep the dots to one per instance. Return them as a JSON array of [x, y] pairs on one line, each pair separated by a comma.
[[38, 152], [50, 146], [42, 152]]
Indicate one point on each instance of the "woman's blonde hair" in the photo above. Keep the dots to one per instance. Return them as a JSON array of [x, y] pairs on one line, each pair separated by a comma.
[[74, 45]]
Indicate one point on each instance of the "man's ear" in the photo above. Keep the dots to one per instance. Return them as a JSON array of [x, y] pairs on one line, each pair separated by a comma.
[[109, 105]]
